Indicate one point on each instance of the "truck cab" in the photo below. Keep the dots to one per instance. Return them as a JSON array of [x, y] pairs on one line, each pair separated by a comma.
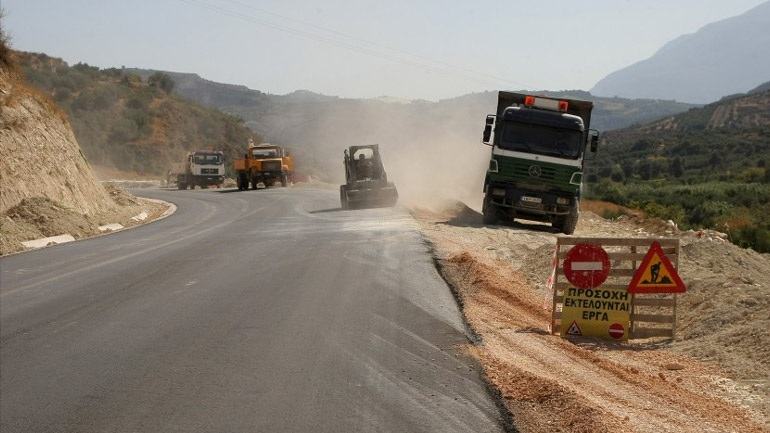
[[264, 164], [202, 168], [536, 164]]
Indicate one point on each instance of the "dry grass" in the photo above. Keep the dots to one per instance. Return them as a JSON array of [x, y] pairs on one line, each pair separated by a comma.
[[608, 210]]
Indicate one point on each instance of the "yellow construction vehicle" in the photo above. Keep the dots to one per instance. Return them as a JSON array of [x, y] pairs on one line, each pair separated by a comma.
[[264, 164]]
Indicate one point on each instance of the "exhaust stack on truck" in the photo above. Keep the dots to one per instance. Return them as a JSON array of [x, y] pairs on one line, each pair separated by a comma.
[[536, 165]]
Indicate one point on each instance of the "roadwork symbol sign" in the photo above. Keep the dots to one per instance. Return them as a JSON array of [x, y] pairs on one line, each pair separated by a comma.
[[656, 274], [574, 329]]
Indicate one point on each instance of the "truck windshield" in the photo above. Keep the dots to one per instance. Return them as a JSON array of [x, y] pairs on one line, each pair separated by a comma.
[[542, 140], [264, 153], [207, 159]]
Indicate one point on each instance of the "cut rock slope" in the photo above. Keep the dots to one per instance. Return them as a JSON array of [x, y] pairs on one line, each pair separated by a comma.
[[48, 188], [39, 155]]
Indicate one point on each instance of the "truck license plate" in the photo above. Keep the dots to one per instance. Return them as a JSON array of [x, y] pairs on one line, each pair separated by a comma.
[[536, 200]]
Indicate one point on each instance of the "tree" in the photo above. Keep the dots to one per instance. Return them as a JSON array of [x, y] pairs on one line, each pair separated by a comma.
[[5, 49], [675, 168], [645, 169], [617, 174], [161, 81], [714, 160], [628, 168], [604, 171]]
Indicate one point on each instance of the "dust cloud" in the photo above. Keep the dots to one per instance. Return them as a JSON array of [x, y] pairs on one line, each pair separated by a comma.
[[432, 152]]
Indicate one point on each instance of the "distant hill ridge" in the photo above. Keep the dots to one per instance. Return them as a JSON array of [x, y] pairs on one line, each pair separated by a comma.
[[722, 58], [738, 112], [136, 124], [250, 104]]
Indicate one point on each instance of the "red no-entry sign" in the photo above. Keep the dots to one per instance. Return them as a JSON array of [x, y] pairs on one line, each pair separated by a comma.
[[617, 330], [587, 266]]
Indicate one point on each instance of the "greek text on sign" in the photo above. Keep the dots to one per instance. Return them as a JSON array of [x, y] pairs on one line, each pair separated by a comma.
[[656, 274], [599, 312]]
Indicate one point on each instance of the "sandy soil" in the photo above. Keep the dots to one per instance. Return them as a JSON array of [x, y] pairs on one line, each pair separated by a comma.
[[38, 217], [712, 378]]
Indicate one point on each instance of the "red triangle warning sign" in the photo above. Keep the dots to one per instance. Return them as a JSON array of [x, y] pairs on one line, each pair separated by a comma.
[[574, 329], [656, 274]]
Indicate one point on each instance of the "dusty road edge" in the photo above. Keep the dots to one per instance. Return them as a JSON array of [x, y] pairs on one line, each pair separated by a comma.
[[506, 417], [170, 210]]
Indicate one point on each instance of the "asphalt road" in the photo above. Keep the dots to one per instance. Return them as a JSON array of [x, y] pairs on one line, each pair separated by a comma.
[[257, 311]]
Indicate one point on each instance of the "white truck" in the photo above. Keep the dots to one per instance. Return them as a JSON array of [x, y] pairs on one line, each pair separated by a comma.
[[202, 168]]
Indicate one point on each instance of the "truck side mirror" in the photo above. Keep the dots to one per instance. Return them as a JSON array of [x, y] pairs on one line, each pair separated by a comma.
[[594, 139], [488, 129]]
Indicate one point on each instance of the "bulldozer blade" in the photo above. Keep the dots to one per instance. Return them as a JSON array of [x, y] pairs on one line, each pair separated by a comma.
[[376, 197]]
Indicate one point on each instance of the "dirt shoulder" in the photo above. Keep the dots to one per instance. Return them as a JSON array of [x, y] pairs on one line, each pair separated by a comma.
[[40, 217], [712, 378]]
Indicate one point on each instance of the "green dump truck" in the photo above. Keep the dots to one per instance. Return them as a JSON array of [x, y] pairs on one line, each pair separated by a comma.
[[536, 167]]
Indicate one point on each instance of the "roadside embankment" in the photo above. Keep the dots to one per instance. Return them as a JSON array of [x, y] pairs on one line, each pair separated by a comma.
[[711, 378], [48, 187], [38, 221]]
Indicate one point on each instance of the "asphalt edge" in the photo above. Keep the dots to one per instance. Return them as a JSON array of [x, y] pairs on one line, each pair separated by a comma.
[[167, 213], [506, 416]]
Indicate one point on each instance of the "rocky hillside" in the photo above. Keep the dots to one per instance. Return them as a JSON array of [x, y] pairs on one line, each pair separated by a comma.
[[728, 140], [48, 187], [39, 155], [708, 167], [742, 112], [129, 123], [722, 58]]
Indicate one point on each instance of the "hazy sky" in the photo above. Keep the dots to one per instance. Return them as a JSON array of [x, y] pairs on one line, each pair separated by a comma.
[[411, 49]]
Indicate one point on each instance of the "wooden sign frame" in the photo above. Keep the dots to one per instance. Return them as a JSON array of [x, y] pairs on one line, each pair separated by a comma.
[[652, 315]]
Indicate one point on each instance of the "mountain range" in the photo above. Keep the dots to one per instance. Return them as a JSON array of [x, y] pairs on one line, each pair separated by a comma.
[[722, 58]]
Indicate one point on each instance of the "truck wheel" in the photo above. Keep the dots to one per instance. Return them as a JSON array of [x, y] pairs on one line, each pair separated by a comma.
[[254, 183], [490, 213], [284, 180], [568, 223]]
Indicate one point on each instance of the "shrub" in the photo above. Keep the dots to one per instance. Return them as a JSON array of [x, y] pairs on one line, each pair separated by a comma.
[[5, 49], [161, 81]]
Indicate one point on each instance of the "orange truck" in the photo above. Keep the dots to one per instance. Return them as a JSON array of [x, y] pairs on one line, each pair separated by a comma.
[[264, 164]]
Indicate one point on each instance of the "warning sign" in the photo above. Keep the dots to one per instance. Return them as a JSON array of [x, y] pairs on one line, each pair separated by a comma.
[[574, 329], [599, 312], [656, 274]]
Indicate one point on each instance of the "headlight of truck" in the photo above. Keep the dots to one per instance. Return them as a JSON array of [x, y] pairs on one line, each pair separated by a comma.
[[562, 200]]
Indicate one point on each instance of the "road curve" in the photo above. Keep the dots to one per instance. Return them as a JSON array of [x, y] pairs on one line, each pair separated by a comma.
[[251, 311]]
